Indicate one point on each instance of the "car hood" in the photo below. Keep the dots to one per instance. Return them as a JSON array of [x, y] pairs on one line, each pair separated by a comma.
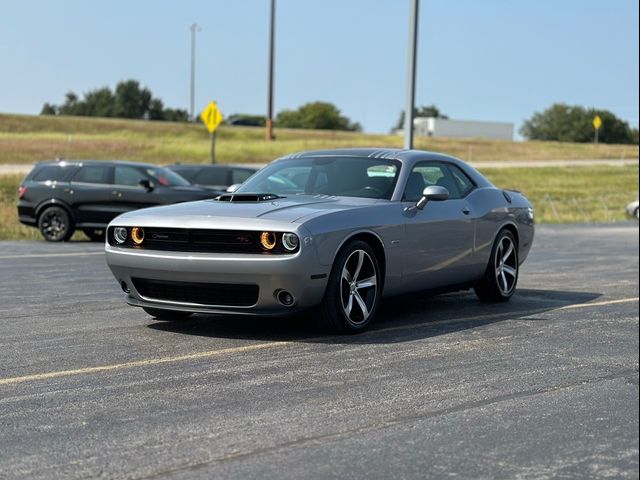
[[221, 214]]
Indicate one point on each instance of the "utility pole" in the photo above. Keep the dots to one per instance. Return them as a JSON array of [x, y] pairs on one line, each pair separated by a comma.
[[194, 28], [411, 77], [269, 125]]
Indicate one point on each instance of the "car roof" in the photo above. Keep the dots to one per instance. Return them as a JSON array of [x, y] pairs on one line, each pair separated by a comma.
[[64, 162], [404, 155], [215, 166]]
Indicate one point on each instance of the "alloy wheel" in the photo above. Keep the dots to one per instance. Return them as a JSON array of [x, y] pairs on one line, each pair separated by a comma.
[[53, 225], [358, 286], [506, 265]]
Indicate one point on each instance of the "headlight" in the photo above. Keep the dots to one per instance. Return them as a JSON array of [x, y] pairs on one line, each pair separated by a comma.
[[290, 241], [137, 235], [120, 234], [268, 240]]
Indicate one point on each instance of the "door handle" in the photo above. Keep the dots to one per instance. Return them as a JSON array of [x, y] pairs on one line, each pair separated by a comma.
[[116, 193]]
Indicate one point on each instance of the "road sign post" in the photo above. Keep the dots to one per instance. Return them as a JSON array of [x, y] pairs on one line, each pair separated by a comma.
[[212, 118], [597, 123]]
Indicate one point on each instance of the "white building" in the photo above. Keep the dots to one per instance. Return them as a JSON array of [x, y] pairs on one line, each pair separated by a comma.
[[444, 127]]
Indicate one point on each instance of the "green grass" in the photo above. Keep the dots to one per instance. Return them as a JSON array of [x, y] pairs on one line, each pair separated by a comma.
[[591, 194], [26, 139], [582, 194]]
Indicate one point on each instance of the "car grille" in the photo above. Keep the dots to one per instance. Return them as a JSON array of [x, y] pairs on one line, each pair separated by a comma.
[[218, 294]]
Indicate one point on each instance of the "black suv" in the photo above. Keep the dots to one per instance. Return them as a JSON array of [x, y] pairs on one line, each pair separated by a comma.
[[60, 196]]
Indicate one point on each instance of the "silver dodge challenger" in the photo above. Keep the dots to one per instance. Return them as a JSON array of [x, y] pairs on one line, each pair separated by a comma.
[[333, 231]]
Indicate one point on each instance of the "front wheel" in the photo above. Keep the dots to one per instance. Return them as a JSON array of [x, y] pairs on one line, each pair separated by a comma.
[[166, 315], [500, 279], [353, 290], [55, 224]]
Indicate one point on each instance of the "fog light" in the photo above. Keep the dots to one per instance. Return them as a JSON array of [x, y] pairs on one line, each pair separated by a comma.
[[124, 287], [137, 235], [120, 234], [285, 298], [290, 241], [268, 240]]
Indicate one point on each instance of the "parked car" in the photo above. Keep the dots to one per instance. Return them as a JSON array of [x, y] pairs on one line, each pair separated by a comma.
[[632, 209], [214, 177], [331, 231], [59, 197]]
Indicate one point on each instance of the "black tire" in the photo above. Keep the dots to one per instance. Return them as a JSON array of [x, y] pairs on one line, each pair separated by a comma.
[[95, 234], [501, 277], [55, 224], [343, 293], [636, 213], [167, 315]]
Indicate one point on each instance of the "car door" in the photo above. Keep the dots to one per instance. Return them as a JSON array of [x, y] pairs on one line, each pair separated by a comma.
[[91, 195], [439, 238], [130, 194]]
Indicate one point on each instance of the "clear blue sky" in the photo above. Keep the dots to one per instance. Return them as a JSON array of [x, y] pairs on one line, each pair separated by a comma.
[[486, 60]]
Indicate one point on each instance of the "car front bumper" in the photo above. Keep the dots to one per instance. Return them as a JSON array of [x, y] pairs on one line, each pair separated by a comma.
[[300, 274]]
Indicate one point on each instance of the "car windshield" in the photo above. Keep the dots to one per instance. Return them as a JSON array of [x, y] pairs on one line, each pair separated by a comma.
[[341, 176], [166, 177]]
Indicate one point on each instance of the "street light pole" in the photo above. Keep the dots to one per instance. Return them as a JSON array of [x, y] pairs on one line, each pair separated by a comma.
[[411, 77], [194, 28], [269, 124]]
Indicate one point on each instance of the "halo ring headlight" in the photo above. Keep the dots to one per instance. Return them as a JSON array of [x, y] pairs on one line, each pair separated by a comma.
[[268, 240], [290, 241], [137, 235], [120, 234]]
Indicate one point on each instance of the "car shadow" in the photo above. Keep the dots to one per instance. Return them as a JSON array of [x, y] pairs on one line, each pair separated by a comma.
[[400, 319]]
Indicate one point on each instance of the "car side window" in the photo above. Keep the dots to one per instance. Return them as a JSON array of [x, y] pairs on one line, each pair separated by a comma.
[[427, 174], [212, 176], [99, 174], [128, 176], [462, 180], [239, 175]]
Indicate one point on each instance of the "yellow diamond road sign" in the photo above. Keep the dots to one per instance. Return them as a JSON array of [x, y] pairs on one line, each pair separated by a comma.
[[211, 117], [597, 122]]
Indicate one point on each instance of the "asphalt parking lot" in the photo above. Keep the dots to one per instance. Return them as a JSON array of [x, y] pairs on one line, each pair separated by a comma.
[[545, 386]]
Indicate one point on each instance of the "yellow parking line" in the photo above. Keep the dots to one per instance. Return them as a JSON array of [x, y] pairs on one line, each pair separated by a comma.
[[45, 255], [141, 363], [268, 345]]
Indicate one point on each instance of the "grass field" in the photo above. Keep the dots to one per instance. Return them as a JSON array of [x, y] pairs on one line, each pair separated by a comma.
[[26, 139], [560, 195]]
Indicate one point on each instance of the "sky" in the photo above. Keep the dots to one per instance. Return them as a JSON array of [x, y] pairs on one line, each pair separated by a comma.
[[496, 60]]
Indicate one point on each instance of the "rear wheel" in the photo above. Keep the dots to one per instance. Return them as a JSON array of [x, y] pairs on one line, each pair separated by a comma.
[[55, 224], [166, 315], [95, 234], [353, 290], [500, 279]]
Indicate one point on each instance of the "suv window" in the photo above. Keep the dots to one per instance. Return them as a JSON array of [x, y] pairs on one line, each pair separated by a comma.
[[128, 176], [239, 175], [186, 172], [93, 174], [53, 173], [212, 176]]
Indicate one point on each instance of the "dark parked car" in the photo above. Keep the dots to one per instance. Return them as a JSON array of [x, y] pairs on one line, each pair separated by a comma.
[[59, 197], [214, 177]]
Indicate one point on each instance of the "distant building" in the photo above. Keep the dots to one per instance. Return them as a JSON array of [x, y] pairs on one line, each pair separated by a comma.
[[444, 127]]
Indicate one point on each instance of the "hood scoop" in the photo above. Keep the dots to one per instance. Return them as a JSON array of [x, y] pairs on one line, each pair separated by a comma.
[[247, 197]]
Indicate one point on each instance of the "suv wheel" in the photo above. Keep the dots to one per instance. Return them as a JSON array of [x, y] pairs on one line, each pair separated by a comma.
[[55, 224]]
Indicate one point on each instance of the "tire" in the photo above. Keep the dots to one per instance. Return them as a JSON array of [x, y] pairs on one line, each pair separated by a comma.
[[346, 307], [166, 315], [55, 224], [95, 234], [636, 213], [501, 277]]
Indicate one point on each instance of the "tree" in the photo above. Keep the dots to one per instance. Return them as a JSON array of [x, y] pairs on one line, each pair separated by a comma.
[[128, 101], [316, 115], [574, 123], [423, 111]]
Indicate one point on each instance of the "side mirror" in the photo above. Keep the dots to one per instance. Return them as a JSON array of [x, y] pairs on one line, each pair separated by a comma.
[[233, 188], [148, 185], [433, 193]]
